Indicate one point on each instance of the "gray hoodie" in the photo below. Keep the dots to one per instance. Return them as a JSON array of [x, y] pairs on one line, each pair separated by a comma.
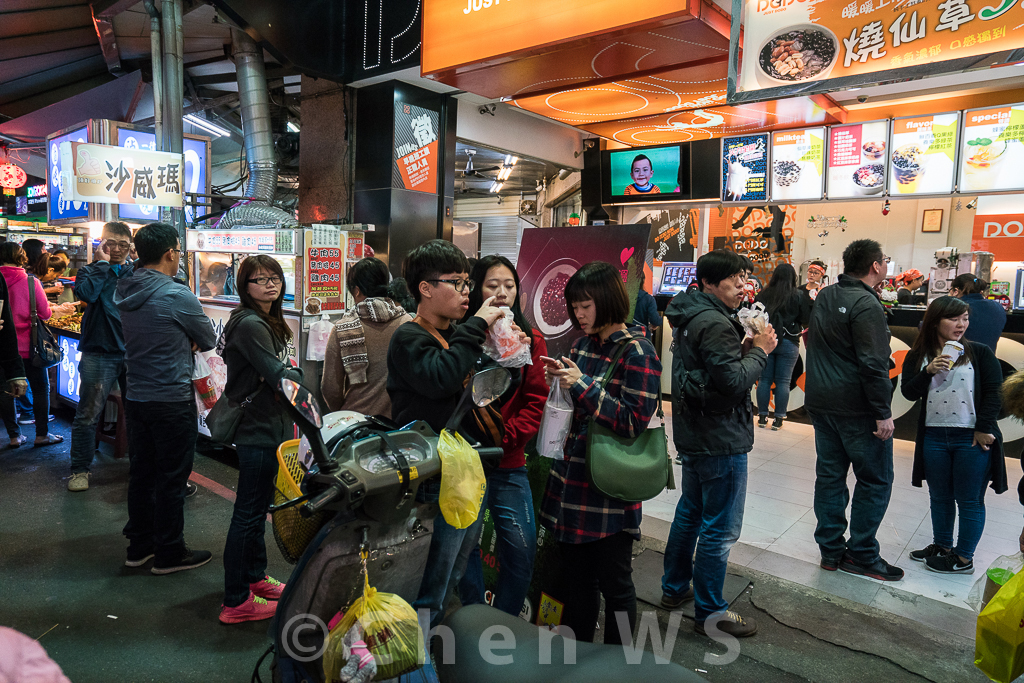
[[160, 318]]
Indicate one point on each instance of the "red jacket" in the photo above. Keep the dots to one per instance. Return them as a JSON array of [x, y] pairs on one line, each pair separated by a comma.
[[523, 411]]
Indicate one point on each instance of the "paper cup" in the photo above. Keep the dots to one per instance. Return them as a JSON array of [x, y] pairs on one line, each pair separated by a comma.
[[953, 349]]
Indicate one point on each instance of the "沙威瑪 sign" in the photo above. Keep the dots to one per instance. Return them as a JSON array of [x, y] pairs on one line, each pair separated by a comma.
[[115, 175]]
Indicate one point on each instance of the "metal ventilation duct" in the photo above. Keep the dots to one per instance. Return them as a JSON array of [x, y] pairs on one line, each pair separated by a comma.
[[259, 143]]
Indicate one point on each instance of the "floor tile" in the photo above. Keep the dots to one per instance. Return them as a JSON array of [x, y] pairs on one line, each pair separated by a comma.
[[773, 506], [743, 554], [795, 471], [769, 521], [757, 537]]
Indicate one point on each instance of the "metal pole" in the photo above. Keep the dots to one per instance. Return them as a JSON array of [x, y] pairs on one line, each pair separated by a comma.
[[156, 50], [173, 40]]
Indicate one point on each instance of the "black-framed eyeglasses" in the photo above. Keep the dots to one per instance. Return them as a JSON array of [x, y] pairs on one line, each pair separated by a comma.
[[262, 281], [886, 260], [460, 285], [114, 244], [178, 251]]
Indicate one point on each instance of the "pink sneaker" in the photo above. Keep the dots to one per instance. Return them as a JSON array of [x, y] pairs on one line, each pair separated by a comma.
[[253, 609], [267, 588]]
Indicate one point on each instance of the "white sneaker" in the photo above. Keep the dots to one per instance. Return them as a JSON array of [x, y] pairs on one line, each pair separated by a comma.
[[79, 481]]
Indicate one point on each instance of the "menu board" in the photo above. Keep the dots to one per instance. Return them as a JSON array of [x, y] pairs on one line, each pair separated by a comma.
[[992, 151], [857, 160], [923, 154], [798, 163], [745, 168]]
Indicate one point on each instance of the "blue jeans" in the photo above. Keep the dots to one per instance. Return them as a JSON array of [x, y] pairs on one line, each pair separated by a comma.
[[842, 442], [957, 474], [708, 519], [39, 381], [245, 552], [779, 371], [447, 558], [511, 504], [98, 371]]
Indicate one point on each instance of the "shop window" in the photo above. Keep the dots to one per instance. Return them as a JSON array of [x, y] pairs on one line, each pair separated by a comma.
[[569, 212]]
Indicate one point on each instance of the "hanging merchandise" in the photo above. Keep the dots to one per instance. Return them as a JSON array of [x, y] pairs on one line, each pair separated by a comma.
[[319, 333]]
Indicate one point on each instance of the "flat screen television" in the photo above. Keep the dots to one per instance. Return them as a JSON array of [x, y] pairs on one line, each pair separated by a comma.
[[646, 174], [676, 276]]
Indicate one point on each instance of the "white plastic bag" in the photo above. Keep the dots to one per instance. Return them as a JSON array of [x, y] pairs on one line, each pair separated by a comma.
[[555, 423], [503, 344], [995, 577], [202, 380], [754, 319], [316, 343]]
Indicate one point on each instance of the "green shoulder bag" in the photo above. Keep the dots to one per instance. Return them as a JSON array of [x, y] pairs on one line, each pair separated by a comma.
[[631, 470]]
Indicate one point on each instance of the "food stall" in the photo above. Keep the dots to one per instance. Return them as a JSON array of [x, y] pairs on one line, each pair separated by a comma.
[[314, 259]]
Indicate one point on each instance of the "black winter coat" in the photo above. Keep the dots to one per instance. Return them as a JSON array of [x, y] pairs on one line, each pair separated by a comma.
[[708, 337], [988, 399]]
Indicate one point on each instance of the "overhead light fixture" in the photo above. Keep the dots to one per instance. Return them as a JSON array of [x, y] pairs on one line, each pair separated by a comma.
[[496, 186], [505, 172], [511, 160], [540, 188], [205, 125], [292, 127]]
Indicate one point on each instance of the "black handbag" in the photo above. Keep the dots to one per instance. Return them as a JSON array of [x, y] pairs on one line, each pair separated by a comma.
[[45, 353], [225, 416]]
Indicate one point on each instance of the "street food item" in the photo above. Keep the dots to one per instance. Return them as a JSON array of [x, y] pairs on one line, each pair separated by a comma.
[[786, 173], [907, 167], [984, 158], [71, 323], [869, 179], [798, 55], [873, 150]]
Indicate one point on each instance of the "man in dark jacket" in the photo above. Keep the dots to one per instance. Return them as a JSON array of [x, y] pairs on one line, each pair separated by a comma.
[[428, 360], [101, 345], [988, 317], [848, 398], [713, 369], [163, 324]]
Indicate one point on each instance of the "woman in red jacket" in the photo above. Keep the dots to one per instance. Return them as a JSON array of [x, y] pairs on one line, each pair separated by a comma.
[[508, 488]]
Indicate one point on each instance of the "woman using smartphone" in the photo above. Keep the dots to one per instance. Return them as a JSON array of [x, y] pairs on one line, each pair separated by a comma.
[[595, 533], [959, 447], [508, 488]]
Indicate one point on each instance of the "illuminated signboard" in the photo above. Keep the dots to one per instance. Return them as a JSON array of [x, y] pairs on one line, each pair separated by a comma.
[[61, 205], [992, 149], [745, 168], [922, 154], [857, 160], [798, 164], [69, 381], [241, 241], [112, 175], [36, 194], [194, 177]]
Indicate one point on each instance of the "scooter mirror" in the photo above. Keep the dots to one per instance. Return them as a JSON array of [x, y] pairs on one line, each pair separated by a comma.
[[302, 400], [489, 385]]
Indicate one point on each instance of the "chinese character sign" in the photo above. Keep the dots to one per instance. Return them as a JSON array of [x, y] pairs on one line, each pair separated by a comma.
[[191, 176], [857, 160], [798, 161], [325, 266], [415, 163], [799, 46], [745, 168], [923, 154], [240, 241], [115, 175], [992, 151]]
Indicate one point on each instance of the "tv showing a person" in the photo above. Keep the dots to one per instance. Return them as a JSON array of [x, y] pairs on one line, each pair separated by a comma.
[[642, 173]]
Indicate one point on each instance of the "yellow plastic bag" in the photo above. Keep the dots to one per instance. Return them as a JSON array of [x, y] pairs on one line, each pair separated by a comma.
[[999, 642], [463, 483], [391, 632]]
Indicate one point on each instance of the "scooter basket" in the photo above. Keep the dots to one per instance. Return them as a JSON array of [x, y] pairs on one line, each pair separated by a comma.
[[292, 531]]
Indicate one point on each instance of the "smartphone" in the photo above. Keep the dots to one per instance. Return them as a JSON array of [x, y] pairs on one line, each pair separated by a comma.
[[550, 361]]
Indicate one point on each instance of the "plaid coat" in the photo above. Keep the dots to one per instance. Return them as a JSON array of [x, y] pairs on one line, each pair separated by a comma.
[[573, 510]]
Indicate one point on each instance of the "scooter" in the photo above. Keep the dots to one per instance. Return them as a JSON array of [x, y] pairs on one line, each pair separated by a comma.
[[366, 472]]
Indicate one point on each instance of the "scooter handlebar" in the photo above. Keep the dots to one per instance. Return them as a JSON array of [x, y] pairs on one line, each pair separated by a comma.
[[320, 500]]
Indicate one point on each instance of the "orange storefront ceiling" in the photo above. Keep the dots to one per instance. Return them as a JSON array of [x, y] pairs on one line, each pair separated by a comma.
[[517, 67], [714, 122], [664, 92]]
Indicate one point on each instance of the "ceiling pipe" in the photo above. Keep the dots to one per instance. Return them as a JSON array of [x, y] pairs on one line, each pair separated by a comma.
[[260, 156]]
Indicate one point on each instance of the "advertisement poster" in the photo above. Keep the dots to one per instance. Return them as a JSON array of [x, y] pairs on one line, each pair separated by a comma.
[[62, 205], [1000, 234], [115, 175], [193, 178], [923, 155], [69, 381], [548, 257], [762, 234], [325, 266], [673, 234], [992, 151], [803, 47], [745, 168], [857, 160], [415, 148], [798, 164], [645, 171]]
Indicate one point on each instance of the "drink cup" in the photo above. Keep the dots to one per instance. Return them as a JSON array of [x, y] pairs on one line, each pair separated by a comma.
[[953, 349]]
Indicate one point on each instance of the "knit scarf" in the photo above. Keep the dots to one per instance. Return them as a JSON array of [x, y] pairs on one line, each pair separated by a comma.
[[352, 339]]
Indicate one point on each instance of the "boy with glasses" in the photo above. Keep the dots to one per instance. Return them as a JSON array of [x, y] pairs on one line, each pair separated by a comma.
[[429, 359], [101, 345]]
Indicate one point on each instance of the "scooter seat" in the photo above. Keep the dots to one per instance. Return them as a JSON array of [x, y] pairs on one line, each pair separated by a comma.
[[594, 663]]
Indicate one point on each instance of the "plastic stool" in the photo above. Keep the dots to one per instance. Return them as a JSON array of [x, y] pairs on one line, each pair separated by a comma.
[[120, 438]]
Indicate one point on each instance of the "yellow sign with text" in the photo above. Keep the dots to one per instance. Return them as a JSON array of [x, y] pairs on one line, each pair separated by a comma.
[[117, 175]]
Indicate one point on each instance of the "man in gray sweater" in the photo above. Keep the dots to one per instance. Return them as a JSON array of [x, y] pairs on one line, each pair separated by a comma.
[[163, 325]]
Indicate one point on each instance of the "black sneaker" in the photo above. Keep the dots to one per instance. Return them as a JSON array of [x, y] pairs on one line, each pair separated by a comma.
[[879, 569], [949, 563], [933, 550], [189, 559], [776, 424], [671, 603], [762, 421], [830, 564], [138, 556]]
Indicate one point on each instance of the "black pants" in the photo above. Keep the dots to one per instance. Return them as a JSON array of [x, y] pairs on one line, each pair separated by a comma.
[[591, 570], [39, 380], [162, 443]]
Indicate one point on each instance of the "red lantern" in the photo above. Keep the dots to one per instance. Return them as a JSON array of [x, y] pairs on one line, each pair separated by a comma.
[[12, 176]]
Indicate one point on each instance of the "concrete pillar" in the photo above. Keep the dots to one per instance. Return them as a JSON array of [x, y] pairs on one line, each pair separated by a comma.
[[325, 163]]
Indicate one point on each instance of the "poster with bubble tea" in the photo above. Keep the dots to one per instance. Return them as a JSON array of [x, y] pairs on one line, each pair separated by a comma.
[[745, 168]]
